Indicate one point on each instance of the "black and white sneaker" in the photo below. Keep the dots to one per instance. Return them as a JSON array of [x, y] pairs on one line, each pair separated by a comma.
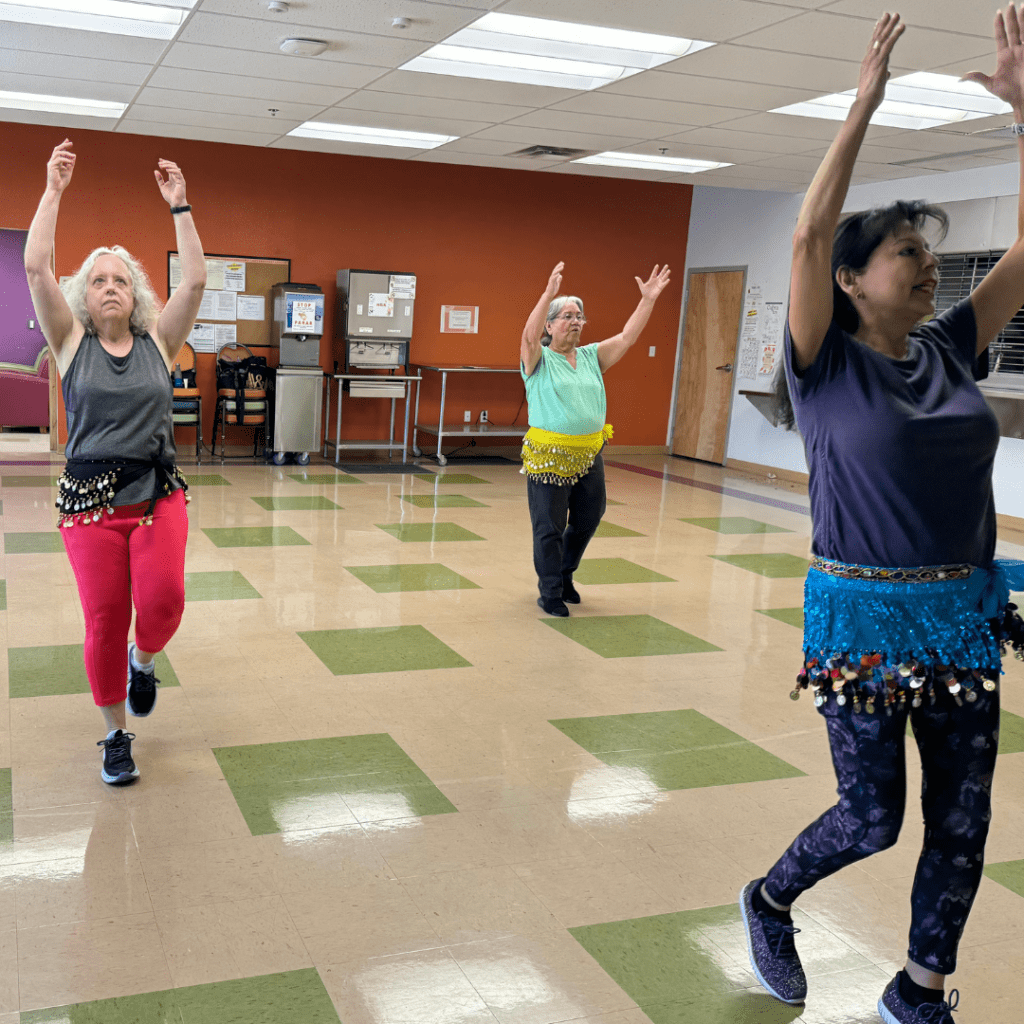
[[141, 688], [118, 766]]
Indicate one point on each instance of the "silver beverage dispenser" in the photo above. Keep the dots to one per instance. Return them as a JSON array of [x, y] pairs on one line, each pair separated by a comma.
[[296, 330]]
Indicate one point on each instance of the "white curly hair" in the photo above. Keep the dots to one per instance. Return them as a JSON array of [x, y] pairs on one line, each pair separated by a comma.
[[147, 306]]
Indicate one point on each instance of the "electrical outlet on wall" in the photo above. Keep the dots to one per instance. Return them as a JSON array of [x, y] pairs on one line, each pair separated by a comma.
[[483, 416], [650, 351], [467, 417]]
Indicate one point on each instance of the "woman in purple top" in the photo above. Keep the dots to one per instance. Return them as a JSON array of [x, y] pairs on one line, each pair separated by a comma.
[[904, 606]]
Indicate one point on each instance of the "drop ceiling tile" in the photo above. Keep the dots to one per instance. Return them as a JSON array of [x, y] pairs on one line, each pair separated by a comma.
[[947, 15], [568, 120], [692, 19], [203, 118], [220, 103], [759, 172], [162, 130], [844, 38], [432, 106], [47, 86], [400, 121], [750, 141], [266, 37], [345, 148], [753, 184], [686, 89], [265, 89], [430, 22], [473, 144], [86, 69], [99, 45], [796, 127], [943, 142], [720, 154], [595, 171], [546, 137], [648, 111], [415, 83], [793, 163], [279, 66], [443, 156]]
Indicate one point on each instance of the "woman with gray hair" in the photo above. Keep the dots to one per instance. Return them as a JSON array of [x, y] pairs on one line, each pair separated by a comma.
[[562, 449], [121, 498]]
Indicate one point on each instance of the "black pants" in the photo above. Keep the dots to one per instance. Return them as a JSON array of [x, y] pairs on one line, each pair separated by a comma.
[[564, 519], [958, 745]]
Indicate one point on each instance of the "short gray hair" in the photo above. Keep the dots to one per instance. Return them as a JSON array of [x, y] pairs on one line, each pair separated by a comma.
[[558, 303], [147, 306]]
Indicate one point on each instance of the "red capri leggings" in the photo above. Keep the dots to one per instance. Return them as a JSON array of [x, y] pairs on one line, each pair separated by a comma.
[[117, 562]]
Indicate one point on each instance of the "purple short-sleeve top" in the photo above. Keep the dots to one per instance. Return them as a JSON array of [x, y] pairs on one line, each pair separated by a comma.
[[900, 451]]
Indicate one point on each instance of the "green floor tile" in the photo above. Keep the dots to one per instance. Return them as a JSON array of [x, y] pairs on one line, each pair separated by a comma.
[[442, 501], [254, 536], [312, 503], [3, 595], [271, 999], [324, 478], [735, 524], [1009, 873], [380, 649], [628, 636], [219, 586], [775, 566], [303, 784], [38, 543], [687, 967], [616, 570], [676, 749], [1, 508], [6, 807], [612, 501], [389, 579], [59, 670], [422, 532], [791, 616], [1011, 732], [606, 529], [206, 480], [453, 478], [29, 481]]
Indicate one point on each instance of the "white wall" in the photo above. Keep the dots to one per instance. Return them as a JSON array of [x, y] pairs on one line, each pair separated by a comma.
[[733, 227]]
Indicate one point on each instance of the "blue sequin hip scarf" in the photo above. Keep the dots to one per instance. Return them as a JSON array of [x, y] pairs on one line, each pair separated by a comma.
[[875, 635]]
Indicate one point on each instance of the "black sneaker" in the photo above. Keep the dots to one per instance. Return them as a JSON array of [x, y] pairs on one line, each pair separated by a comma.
[[894, 1009], [570, 595], [118, 766], [772, 950], [141, 689], [554, 606]]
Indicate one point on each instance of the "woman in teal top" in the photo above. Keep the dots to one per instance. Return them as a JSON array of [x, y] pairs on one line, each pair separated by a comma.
[[562, 448]]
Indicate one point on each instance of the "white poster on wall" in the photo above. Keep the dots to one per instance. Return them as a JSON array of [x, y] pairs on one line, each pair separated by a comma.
[[749, 347]]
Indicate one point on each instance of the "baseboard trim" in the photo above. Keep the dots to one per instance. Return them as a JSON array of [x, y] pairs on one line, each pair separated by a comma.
[[766, 474], [637, 449]]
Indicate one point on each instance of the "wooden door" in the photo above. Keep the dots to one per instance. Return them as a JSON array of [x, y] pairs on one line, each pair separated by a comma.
[[714, 311]]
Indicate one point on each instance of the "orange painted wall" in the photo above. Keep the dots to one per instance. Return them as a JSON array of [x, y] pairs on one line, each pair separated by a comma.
[[472, 235]]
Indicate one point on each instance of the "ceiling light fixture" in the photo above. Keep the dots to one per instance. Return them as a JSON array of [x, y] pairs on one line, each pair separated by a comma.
[[61, 104], [537, 51], [119, 17], [916, 101], [643, 161], [370, 136], [304, 47]]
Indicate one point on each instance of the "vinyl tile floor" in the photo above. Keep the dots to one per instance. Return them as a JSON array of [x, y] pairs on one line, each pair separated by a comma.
[[381, 786]]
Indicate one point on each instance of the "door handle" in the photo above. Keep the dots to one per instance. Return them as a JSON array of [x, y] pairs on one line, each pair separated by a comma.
[[727, 367]]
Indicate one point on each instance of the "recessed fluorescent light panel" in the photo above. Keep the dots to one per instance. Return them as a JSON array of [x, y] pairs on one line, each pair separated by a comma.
[[370, 136], [666, 164], [920, 100], [61, 104], [120, 17], [536, 51]]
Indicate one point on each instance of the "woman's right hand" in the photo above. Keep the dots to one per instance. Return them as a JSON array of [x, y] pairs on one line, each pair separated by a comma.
[[555, 281], [874, 69], [60, 167]]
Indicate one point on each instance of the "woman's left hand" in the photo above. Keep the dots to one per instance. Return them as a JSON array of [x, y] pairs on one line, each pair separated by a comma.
[[1008, 81], [173, 188], [655, 284]]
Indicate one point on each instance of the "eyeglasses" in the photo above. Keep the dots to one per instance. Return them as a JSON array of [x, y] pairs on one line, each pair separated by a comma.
[[570, 317]]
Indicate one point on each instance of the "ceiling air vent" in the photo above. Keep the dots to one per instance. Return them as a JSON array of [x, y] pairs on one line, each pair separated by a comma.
[[535, 152]]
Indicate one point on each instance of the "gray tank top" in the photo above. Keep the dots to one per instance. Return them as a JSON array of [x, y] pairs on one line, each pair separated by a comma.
[[119, 408]]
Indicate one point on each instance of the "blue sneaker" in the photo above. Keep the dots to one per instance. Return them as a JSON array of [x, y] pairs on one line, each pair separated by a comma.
[[772, 950], [894, 1009], [141, 688]]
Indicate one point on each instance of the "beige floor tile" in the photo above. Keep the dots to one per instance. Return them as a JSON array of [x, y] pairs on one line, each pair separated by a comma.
[[9, 999], [315, 860]]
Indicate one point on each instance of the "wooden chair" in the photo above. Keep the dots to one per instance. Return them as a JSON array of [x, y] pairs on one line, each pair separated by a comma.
[[254, 412], [188, 403]]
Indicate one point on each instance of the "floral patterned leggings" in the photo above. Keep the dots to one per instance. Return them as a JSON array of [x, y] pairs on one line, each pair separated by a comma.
[[958, 746]]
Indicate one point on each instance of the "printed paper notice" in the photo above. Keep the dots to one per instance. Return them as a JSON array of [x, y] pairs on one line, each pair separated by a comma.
[[218, 305], [234, 277], [251, 307], [225, 334], [460, 319], [204, 337], [770, 338], [214, 273], [381, 304], [749, 350], [303, 316], [402, 286]]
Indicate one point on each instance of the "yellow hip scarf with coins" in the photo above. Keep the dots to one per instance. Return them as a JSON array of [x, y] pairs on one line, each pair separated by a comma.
[[881, 638], [563, 459]]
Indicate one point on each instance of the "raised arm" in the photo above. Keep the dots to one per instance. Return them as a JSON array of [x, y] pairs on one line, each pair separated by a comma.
[[611, 350], [1001, 293], [175, 321], [530, 349], [810, 286], [60, 328]]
